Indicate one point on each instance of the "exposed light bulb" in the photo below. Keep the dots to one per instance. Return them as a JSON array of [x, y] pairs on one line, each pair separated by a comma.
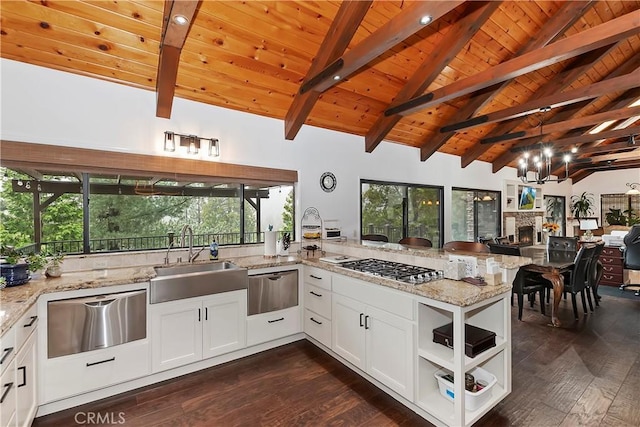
[[574, 150]]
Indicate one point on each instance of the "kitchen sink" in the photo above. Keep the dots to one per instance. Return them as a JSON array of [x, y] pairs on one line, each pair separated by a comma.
[[187, 281]]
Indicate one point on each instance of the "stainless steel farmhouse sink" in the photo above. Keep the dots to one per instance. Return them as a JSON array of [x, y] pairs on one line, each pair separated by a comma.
[[188, 281]]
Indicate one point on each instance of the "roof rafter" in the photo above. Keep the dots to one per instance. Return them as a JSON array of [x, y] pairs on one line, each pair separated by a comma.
[[558, 24], [585, 41], [173, 38], [336, 41], [454, 40]]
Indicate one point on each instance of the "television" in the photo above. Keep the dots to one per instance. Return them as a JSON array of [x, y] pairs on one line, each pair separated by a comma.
[[527, 198]]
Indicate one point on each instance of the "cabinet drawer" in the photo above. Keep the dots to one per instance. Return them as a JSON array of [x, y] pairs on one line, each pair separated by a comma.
[[317, 277], [25, 326], [606, 260], [273, 325], [7, 348], [70, 375], [318, 300], [611, 279], [612, 252], [317, 327], [8, 392], [612, 269]]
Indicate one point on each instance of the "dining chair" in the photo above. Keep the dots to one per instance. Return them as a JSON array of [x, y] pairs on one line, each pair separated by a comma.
[[577, 279], [375, 237], [528, 283], [502, 240], [416, 241], [462, 246], [561, 243], [595, 273]]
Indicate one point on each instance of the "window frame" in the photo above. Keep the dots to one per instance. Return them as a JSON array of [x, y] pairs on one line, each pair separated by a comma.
[[498, 202]]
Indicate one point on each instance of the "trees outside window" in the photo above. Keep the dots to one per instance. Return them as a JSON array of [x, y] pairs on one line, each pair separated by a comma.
[[401, 210], [134, 213]]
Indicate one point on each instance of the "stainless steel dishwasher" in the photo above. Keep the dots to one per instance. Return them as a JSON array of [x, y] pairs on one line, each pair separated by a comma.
[[91, 323], [272, 291]]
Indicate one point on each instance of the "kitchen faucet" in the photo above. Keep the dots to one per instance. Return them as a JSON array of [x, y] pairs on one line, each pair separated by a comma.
[[185, 228], [166, 257]]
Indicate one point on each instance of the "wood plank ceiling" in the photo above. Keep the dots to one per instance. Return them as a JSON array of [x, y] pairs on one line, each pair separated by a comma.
[[473, 82]]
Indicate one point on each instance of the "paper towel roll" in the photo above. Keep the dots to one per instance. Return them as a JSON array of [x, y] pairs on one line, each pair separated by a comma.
[[269, 243]]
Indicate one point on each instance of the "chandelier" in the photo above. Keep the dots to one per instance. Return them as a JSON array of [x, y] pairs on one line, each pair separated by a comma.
[[541, 162]]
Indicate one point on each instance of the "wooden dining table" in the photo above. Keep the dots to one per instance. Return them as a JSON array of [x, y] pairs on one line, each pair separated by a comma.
[[552, 264]]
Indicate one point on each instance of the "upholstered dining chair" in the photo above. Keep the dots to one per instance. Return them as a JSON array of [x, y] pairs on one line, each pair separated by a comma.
[[595, 274], [375, 237], [577, 280], [462, 246], [416, 241], [561, 243], [502, 249], [528, 283], [631, 258]]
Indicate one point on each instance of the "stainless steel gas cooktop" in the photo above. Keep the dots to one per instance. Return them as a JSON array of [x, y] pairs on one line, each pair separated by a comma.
[[394, 270]]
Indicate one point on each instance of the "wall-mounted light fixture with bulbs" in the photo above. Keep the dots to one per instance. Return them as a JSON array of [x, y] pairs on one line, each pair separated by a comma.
[[192, 143]]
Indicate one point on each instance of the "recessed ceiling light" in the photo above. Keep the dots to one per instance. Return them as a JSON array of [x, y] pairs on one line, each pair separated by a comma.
[[180, 19], [336, 77], [426, 19], [574, 149]]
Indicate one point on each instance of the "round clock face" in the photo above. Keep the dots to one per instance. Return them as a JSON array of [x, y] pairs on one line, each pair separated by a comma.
[[328, 182]]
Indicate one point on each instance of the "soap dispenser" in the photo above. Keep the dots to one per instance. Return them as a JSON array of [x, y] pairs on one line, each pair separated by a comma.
[[213, 250]]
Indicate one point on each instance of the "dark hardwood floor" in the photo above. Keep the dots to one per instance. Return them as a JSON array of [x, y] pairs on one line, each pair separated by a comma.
[[585, 373]]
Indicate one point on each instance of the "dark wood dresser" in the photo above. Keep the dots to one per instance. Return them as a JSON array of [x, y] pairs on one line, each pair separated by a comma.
[[612, 262]]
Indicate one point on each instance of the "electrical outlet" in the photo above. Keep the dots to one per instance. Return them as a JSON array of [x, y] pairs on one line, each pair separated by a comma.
[[99, 264]]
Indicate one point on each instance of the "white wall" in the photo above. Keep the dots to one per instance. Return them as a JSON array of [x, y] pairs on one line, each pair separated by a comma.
[[51, 107]]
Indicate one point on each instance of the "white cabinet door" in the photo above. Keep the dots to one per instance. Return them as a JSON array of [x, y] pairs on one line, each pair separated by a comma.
[[26, 383], [348, 330], [225, 323], [176, 333], [389, 343]]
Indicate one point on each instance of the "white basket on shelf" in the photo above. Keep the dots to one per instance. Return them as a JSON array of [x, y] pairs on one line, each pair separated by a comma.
[[472, 401]]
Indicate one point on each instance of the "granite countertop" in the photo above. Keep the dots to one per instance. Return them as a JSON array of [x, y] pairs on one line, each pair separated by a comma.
[[15, 301]]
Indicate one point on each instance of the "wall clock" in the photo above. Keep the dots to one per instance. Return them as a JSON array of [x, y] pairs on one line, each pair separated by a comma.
[[328, 182]]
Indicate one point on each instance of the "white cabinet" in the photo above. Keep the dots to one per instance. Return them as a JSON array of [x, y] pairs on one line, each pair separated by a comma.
[[375, 332], [27, 404], [18, 390], [493, 314], [273, 325], [317, 303], [190, 330]]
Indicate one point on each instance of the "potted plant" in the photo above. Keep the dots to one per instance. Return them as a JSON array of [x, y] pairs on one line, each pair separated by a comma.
[[615, 217], [13, 266], [53, 265], [582, 205]]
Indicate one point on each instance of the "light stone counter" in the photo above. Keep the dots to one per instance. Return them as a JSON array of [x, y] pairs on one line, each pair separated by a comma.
[[15, 301]]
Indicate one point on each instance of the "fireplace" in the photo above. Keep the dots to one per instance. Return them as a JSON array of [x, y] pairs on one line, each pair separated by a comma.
[[525, 235]]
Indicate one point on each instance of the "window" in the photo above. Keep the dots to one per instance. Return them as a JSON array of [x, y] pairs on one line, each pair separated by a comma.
[[127, 213], [401, 210], [620, 209], [475, 214]]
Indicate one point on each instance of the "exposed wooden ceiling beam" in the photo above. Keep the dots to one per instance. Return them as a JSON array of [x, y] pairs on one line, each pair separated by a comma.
[[581, 173], [585, 41], [390, 34], [510, 155], [556, 25], [634, 130], [335, 42], [553, 101], [453, 41], [173, 38], [559, 83], [622, 113], [608, 148], [631, 155]]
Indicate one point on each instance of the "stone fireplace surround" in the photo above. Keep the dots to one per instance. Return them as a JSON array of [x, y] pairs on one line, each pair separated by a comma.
[[522, 219]]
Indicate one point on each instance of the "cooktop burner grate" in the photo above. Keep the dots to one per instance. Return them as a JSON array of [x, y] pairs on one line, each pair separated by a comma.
[[394, 270]]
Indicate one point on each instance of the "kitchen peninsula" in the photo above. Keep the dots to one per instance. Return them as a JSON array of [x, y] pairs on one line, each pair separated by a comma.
[[393, 323]]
